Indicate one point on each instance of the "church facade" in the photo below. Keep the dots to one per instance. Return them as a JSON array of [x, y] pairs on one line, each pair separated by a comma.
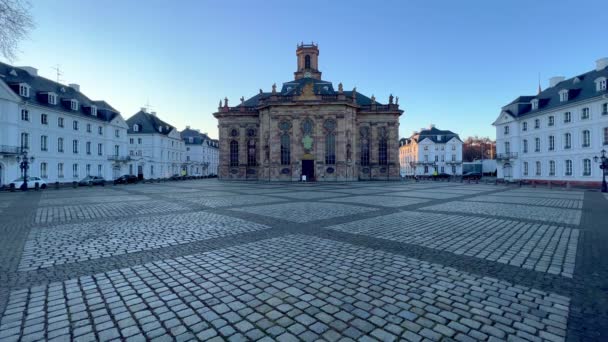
[[308, 128]]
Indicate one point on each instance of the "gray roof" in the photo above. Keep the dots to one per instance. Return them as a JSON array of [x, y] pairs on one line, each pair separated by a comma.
[[40, 87], [148, 124], [580, 88], [198, 137], [431, 134]]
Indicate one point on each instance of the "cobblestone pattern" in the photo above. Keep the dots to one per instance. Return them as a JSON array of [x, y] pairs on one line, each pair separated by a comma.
[[383, 201], [91, 200], [305, 211], [547, 202], [230, 201], [293, 288], [518, 211], [307, 195], [50, 246], [436, 194], [574, 195], [541, 247], [104, 210]]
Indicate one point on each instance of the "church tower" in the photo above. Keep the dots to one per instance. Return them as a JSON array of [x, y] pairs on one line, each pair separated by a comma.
[[308, 61]]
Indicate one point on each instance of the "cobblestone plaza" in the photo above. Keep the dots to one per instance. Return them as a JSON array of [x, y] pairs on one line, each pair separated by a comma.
[[208, 260]]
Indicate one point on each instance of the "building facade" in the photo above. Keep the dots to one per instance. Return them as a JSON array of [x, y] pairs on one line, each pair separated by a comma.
[[431, 151], [156, 149], [554, 135], [202, 153], [69, 135], [307, 128]]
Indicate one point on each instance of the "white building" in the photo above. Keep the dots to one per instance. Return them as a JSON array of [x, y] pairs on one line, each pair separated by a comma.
[[69, 135], [431, 150], [202, 153], [555, 134], [155, 148]]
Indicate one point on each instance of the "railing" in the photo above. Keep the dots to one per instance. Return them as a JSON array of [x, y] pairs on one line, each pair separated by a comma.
[[506, 156], [6, 149], [119, 158]]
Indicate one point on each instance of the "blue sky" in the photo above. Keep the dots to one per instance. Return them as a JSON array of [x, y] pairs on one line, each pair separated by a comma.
[[452, 63]]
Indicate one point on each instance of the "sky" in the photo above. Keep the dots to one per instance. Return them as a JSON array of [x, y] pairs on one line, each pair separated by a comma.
[[452, 63]]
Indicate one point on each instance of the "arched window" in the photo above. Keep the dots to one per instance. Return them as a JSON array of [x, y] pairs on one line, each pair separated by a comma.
[[330, 148], [251, 160], [382, 152], [364, 152], [234, 153], [285, 149], [307, 62], [586, 167], [136, 128]]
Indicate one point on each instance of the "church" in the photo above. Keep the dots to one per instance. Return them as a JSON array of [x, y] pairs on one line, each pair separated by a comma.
[[308, 130]]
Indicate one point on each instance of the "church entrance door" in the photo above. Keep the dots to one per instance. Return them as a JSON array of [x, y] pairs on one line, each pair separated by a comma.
[[308, 169]]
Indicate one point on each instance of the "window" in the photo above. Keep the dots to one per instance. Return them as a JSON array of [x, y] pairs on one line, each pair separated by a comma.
[[536, 144], [453, 157], [52, 98], [551, 168], [60, 170], [44, 119], [586, 167], [551, 143], [116, 150], [234, 152], [506, 129], [99, 149], [307, 62], [94, 110], [524, 126], [100, 130], [567, 141], [88, 128], [88, 168], [43, 143], [75, 170], [25, 115], [136, 128], [568, 170], [585, 113], [525, 146], [600, 84], [131, 141], [251, 158], [605, 135], [60, 145], [507, 147], [139, 141], [43, 170], [285, 149], [60, 122], [364, 151], [100, 170], [586, 138], [330, 149], [551, 120], [525, 168], [88, 147], [426, 169], [567, 117], [75, 146], [453, 169], [537, 123], [563, 95], [74, 105], [383, 152], [75, 125], [426, 148], [24, 90], [535, 104], [117, 133], [605, 108], [25, 140], [538, 170]]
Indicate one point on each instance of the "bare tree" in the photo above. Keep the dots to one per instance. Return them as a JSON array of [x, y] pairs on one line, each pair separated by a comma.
[[15, 24]]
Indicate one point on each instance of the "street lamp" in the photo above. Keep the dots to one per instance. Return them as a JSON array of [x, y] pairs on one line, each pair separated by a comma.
[[24, 165], [603, 160]]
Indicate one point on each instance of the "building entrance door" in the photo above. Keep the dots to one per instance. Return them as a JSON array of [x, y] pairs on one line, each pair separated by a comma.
[[506, 172], [140, 172], [308, 169]]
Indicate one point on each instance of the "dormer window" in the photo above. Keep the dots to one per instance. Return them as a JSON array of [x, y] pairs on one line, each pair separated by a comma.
[[534, 104], [563, 95], [52, 98], [191, 140], [160, 129], [94, 110], [24, 90], [136, 128], [600, 84], [74, 104]]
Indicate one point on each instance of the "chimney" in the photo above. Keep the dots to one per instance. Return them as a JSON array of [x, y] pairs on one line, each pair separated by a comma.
[[187, 127], [142, 109], [601, 64], [30, 70], [553, 81], [153, 113], [74, 86]]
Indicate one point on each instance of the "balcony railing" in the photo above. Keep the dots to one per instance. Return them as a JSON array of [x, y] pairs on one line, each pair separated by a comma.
[[116, 158], [5, 149], [506, 156]]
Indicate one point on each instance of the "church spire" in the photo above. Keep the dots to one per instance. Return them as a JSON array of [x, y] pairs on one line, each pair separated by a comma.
[[308, 61]]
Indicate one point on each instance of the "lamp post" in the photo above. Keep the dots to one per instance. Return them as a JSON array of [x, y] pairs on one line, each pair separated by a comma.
[[603, 161], [24, 165]]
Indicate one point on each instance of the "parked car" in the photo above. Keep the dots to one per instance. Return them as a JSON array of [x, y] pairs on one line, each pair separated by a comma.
[[126, 179], [92, 180], [471, 175], [31, 182], [442, 175], [176, 177]]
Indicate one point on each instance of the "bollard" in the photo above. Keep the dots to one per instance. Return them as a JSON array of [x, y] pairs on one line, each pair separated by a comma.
[[36, 186], [12, 187]]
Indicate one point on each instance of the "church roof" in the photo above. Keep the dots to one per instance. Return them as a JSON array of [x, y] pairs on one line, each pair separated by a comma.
[[148, 124]]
